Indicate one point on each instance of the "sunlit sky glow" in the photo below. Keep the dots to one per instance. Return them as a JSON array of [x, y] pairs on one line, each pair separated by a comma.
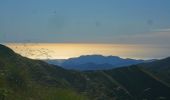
[[127, 28], [63, 50]]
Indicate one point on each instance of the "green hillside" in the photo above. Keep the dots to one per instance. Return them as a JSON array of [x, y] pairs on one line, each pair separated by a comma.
[[159, 69], [25, 79]]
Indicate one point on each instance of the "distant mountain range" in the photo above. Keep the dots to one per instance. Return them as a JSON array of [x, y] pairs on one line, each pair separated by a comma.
[[26, 79], [95, 62]]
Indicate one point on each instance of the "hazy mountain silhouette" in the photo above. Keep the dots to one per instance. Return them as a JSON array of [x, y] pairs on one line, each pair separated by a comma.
[[95, 62]]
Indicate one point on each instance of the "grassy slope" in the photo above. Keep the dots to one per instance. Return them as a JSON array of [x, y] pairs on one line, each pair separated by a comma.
[[25, 79], [140, 84], [160, 69]]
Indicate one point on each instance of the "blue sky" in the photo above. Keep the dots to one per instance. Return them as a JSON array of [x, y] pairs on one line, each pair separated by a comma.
[[85, 21]]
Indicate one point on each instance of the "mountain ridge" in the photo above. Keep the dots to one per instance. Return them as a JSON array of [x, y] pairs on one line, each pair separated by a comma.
[[24, 79], [96, 62]]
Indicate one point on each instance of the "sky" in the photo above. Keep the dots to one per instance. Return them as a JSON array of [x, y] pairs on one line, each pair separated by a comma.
[[126, 22], [69, 50]]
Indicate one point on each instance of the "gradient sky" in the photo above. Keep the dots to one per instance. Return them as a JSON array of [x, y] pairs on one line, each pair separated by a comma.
[[144, 23], [101, 21]]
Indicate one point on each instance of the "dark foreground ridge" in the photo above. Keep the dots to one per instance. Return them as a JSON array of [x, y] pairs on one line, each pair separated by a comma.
[[26, 79]]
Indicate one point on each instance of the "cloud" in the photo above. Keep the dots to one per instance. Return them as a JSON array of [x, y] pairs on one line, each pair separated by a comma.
[[162, 30], [161, 37]]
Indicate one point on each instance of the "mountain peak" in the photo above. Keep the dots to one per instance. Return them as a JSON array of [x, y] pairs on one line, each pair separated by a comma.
[[95, 62], [98, 55]]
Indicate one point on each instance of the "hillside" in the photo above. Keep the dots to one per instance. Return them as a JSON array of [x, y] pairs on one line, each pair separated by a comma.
[[25, 79]]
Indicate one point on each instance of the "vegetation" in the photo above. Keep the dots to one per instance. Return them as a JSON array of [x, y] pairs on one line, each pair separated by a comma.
[[25, 79]]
